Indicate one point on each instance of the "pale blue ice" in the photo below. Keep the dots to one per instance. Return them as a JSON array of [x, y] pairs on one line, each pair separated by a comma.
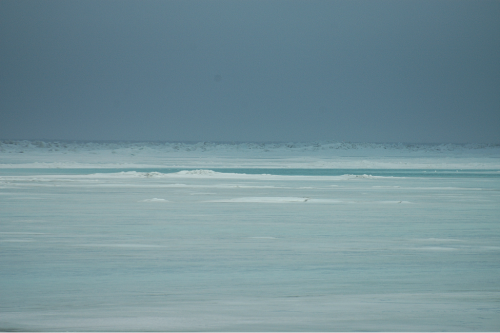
[[350, 250]]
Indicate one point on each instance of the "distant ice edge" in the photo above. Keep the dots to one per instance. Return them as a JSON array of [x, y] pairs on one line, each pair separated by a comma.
[[211, 155], [29, 145]]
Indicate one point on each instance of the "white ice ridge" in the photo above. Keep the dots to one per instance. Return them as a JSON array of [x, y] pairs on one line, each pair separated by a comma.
[[191, 174], [183, 173], [365, 177], [155, 174], [214, 174]]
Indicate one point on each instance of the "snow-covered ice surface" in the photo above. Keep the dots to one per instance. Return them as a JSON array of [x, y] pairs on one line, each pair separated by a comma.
[[338, 155], [249, 237]]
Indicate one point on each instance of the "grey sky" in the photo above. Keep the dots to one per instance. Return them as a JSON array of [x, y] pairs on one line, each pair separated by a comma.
[[400, 71]]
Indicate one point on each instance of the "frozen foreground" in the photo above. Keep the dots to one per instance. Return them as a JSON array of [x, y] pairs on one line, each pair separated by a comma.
[[249, 237]]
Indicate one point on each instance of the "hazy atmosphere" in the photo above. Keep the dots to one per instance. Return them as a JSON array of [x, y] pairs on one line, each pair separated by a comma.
[[365, 71]]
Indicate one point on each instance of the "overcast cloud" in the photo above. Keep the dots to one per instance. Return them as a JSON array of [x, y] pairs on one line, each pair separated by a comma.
[[377, 71]]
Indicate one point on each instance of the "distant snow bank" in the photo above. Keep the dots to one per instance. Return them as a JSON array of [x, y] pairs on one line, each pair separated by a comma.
[[23, 146], [209, 155]]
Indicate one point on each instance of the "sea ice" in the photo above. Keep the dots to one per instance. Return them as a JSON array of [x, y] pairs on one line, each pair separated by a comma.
[[183, 237]]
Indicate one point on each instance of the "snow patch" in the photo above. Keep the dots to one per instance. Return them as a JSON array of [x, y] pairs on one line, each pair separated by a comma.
[[436, 248], [364, 177], [198, 173], [264, 199], [394, 202], [154, 200], [277, 200]]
